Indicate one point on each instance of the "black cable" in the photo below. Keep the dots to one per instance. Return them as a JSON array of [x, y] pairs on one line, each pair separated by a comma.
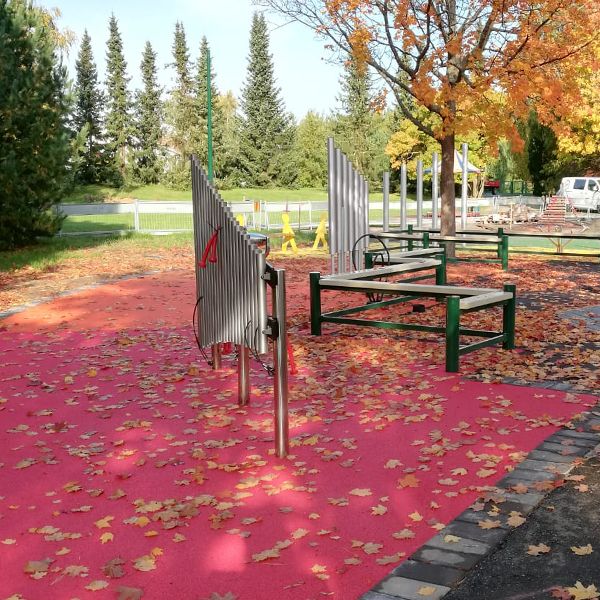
[[252, 347], [208, 361], [371, 297]]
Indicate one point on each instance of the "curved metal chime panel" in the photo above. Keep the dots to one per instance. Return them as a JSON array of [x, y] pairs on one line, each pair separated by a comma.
[[229, 273], [348, 202]]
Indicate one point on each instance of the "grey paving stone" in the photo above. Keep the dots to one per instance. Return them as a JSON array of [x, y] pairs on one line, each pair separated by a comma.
[[472, 516], [526, 475], [408, 589], [462, 546], [572, 433], [548, 467], [572, 442], [436, 574], [549, 456], [530, 498], [443, 557], [564, 450], [376, 596], [472, 531]]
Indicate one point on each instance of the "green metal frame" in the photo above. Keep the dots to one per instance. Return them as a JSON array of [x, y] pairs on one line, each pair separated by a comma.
[[452, 328]]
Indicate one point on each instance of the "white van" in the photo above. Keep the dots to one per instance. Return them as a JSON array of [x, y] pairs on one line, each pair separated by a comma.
[[583, 192]]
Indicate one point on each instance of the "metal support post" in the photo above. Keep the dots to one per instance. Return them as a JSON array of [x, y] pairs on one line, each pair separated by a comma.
[[315, 304], [216, 356], [508, 317], [280, 363], [426, 239], [403, 201], [419, 194], [440, 270], [386, 201], [465, 186], [434, 190], [452, 333], [368, 260], [504, 252], [243, 375]]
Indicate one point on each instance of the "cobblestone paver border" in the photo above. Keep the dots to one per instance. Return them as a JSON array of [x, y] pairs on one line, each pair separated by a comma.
[[440, 566]]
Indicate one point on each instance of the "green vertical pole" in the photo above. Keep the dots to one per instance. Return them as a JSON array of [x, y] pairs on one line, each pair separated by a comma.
[[500, 233], [452, 333], [508, 317], [426, 239], [209, 117], [440, 271], [368, 260], [315, 304], [504, 257]]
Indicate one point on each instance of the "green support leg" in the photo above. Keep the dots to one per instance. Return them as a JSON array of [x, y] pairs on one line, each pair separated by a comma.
[[410, 242], [315, 304], [504, 252], [452, 333], [426, 239], [368, 260], [508, 317], [440, 271], [500, 236]]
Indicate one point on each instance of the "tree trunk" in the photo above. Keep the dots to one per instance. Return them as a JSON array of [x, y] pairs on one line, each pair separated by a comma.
[[448, 217]]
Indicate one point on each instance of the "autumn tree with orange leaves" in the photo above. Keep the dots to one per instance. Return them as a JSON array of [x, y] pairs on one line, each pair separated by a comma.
[[468, 64]]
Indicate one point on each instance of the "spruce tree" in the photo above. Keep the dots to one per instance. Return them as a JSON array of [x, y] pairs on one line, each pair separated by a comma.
[[148, 121], [268, 131], [201, 127], [34, 145], [118, 118], [87, 117], [354, 126]]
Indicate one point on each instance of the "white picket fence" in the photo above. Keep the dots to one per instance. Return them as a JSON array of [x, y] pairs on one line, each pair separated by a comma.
[[175, 217]]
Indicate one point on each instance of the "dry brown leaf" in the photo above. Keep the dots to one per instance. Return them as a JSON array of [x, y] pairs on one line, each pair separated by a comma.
[[536, 550], [579, 592], [426, 590], [266, 555], [129, 593], [378, 510], [582, 550], [415, 516], [98, 584], [361, 492], [489, 524], [409, 481]]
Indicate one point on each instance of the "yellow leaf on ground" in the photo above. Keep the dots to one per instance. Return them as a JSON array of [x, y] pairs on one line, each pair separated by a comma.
[[451, 539], [539, 549], [403, 534], [415, 516], [361, 492], [104, 523], [378, 510], [579, 592], [408, 481], [265, 555], [515, 519], [426, 590], [94, 586], [299, 533], [372, 548], [489, 524], [106, 537], [582, 550]]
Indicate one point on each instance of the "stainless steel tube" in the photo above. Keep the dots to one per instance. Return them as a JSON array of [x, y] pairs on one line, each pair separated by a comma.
[[243, 375], [386, 201], [280, 361], [419, 193]]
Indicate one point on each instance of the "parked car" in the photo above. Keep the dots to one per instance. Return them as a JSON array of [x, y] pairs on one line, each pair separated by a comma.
[[582, 192]]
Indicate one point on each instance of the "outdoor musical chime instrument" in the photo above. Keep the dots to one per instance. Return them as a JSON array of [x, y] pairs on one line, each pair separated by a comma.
[[232, 275]]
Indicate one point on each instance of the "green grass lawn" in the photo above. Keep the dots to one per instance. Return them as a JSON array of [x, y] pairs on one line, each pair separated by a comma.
[[101, 193]]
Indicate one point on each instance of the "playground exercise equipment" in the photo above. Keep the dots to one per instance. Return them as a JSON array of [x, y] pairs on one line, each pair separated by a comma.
[[458, 300], [348, 205], [232, 276], [425, 237]]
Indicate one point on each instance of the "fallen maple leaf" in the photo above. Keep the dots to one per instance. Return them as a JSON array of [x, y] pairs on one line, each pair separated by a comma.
[[404, 534], [129, 593], [372, 548], [582, 550], [98, 584], [104, 523], [489, 524], [408, 481], [427, 590], [378, 510], [536, 550], [451, 539], [415, 516], [579, 592], [361, 492], [106, 537], [515, 519], [266, 554]]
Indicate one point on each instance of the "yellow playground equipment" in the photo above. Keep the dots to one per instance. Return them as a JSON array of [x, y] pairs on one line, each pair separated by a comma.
[[288, 234], [321, 234]]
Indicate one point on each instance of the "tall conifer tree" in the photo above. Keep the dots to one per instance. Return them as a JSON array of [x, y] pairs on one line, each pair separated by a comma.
[[118, 118], [202, 112], [148, 121], [34, 144], [268, 131], [181, 111], [87, 117]]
